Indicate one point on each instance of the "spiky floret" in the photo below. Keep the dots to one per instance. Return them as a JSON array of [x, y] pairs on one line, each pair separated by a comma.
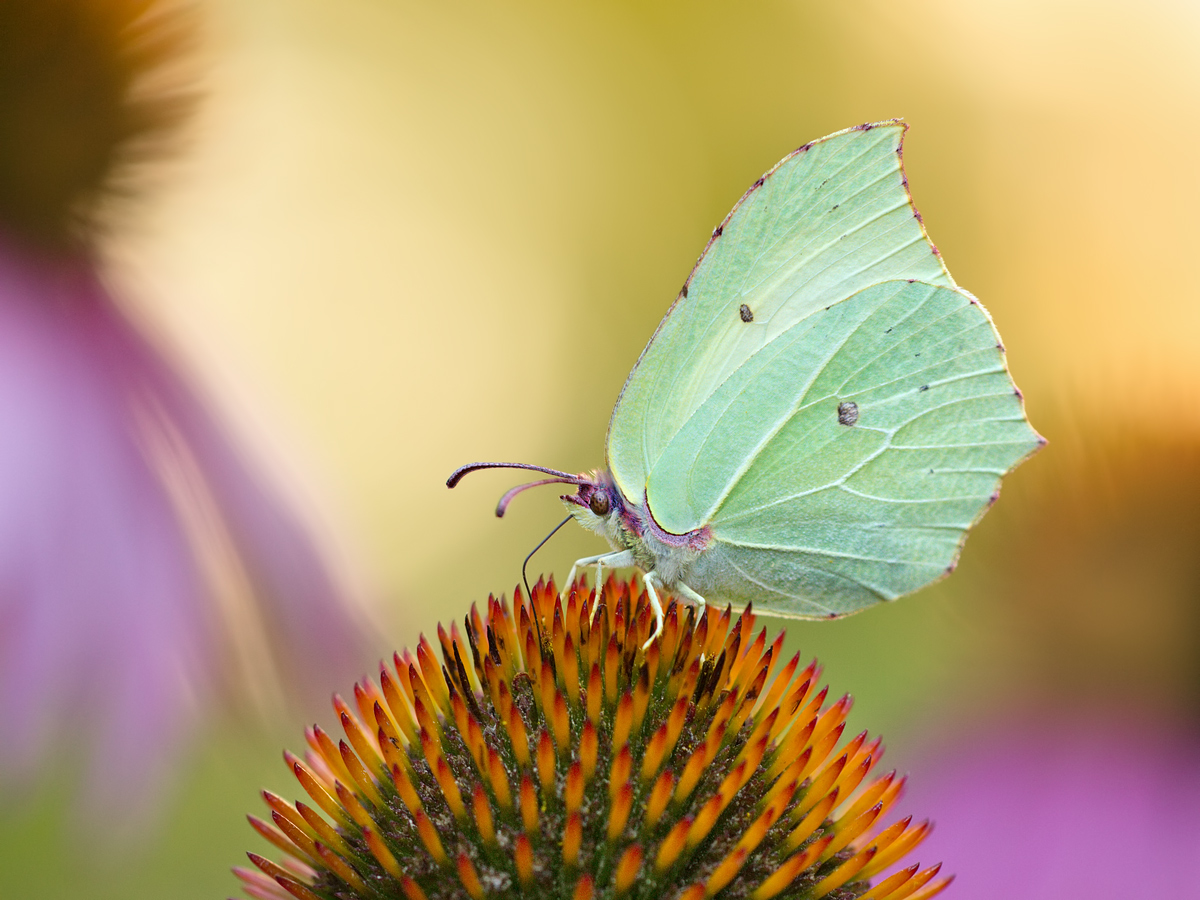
[[549, 755]]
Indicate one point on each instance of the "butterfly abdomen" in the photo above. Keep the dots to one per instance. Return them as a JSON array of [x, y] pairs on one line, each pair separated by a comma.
[[670, 556]]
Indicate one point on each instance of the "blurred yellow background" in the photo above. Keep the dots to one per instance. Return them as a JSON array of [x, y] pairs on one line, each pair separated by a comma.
[[408, 235]]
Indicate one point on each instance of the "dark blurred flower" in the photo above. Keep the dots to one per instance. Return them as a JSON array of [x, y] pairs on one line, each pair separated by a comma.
[[1057, 810], [90, 90], [120, 496], [548, 755]]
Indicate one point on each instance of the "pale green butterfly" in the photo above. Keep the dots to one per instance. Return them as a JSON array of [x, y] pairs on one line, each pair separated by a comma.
[[822, 414]]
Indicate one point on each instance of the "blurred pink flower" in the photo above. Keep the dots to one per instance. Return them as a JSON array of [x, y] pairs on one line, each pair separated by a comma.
[[106, 623], [144, 564], [1057, 811]]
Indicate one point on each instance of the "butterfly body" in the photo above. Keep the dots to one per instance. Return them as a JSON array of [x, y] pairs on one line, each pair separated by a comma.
[[822, 414], [630, 527]]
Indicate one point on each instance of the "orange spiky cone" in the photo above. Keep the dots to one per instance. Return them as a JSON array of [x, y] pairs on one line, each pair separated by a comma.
[[548, 755]]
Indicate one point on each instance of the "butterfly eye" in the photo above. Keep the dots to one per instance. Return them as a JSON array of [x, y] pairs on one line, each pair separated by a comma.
[[599, 503]]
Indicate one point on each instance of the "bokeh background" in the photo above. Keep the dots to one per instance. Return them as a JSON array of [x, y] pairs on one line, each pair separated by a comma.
[[402, 235]]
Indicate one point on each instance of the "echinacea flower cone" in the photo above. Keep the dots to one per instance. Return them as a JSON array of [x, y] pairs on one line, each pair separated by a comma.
[[549, 755]]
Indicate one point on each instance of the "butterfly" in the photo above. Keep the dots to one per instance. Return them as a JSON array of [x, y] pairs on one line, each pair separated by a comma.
[[821, 416]]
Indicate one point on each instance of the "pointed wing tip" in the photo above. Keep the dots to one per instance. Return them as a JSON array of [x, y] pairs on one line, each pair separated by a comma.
[[897, 123], [882, 123]]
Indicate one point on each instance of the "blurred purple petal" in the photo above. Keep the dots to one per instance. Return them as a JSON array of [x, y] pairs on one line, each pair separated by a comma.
[[107, 632], [304, 610], [1059, 810]]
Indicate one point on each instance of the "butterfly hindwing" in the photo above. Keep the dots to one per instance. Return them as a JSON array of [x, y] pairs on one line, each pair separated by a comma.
[[858, 482]]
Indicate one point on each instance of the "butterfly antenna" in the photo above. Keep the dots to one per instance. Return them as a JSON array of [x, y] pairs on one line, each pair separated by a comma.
[[508, 496], [457, 475], [559, 478]]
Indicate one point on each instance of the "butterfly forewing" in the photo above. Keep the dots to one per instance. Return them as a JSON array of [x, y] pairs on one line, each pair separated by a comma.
[[830, 219]]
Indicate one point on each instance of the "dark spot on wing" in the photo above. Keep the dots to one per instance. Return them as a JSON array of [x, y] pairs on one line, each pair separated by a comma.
[[889, 331], [916, 354], [745, 313], [720, 229], [848, 412], [923, 387], [683, 291], [835, 206], [1018, 393], [1000, 347], [758, 183], [912, 280]]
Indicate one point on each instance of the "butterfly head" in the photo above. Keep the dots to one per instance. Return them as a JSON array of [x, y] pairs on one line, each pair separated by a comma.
[[594, 501], [599, 506]]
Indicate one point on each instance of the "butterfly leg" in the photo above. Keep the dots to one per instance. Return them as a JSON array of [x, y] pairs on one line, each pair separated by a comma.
[[612, 559], [688, 594], [651, 581]]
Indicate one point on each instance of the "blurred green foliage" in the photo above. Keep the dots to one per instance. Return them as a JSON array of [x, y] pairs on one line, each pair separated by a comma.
[[53, 850]]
